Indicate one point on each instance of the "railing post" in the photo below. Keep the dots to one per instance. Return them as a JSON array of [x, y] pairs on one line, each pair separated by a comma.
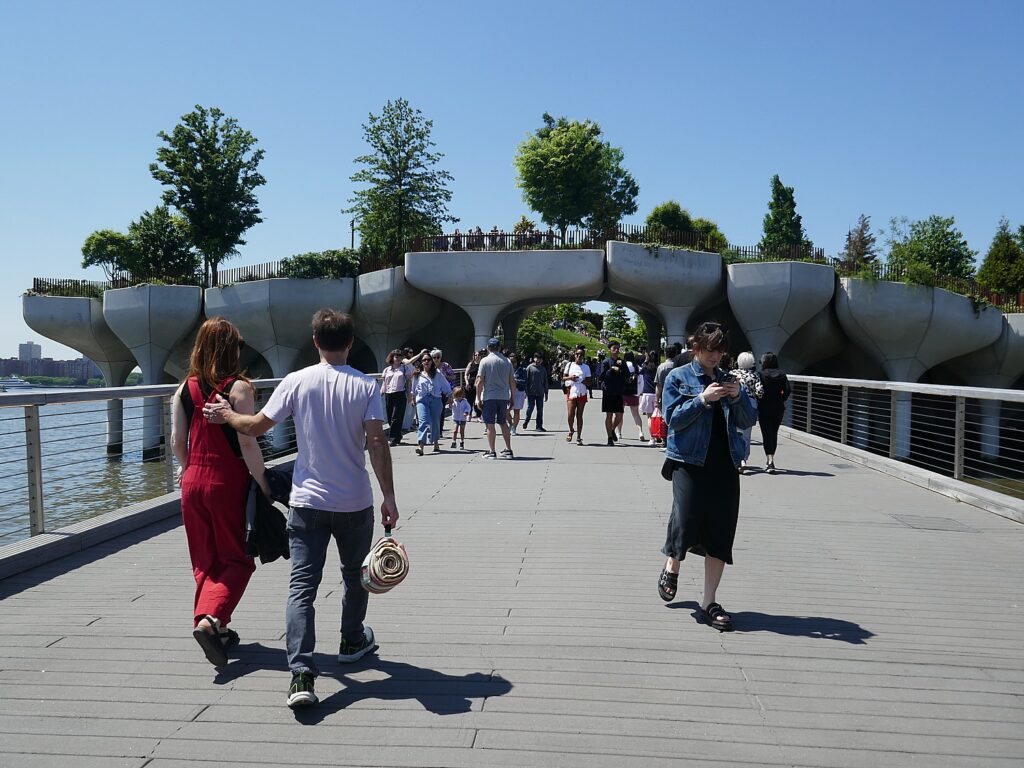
[[844, 431], [892, 423], [810, 392], [958, 440], [168, 454], [34, 462]]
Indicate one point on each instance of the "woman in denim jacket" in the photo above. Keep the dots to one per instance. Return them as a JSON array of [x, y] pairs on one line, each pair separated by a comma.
[[705, 408]]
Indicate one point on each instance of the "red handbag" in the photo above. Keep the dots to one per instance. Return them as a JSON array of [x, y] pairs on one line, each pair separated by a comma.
[[659, 429]]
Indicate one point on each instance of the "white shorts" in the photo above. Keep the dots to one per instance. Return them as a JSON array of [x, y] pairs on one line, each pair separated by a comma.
[[647, 403]]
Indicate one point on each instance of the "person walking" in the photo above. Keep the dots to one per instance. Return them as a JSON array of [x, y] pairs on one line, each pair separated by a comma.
[[430, 387], [460, 413], [537, 386], [750, 380], [396, 385], [772, 407], [519, 393], [704, 408], [613, 382], [494, 387], [469, 380], [338, 419], [648, 399], [575, 378], [215, 464], [453, 381], [631, 393]]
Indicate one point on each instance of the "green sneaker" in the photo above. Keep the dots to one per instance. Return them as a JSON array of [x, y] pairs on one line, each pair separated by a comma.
[[300, 694], [349, 652]]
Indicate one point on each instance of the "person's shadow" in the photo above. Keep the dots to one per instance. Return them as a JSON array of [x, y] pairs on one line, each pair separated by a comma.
[[820, 627], [435, 691]]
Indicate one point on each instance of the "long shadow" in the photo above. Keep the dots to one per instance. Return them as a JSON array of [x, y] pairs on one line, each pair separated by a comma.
[[435, 691], [821, 627], [250, 657], [792, 472]]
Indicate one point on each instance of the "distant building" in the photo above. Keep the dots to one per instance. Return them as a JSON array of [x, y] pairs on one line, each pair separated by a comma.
[[81, 369], [29, 351]]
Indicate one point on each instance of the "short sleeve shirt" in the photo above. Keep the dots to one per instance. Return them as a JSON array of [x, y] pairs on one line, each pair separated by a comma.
[[329, 404], [578, 388], [496, 370]]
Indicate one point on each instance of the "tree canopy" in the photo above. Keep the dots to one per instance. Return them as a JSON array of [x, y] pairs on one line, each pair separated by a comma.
[[616, 320], [156, 247], [209, 165], [1002, 270], [933, 245], [670, 216], [860, 248], [406, 194], [570, 176], [783, 226]]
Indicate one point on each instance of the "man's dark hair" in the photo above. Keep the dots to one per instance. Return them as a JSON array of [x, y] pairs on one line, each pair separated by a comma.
[[769, 360], [673, 350], [614, 343], [333, 330]]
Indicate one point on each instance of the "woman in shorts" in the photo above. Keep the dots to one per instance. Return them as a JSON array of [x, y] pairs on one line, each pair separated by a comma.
[[577, 374]]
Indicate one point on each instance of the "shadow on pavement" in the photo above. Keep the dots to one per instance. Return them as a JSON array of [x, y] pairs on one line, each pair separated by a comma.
[[821, 627], [436, 691]]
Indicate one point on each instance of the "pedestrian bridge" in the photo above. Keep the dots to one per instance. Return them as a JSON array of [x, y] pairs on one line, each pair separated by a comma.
[[878, 624]]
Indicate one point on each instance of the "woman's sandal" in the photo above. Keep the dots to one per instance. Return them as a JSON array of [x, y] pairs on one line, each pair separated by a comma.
[[211, 643], [568, 438], [715, 616], [229, 638], [668, 584]]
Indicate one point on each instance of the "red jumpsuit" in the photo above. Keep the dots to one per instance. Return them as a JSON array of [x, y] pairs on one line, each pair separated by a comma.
[[213, 493]]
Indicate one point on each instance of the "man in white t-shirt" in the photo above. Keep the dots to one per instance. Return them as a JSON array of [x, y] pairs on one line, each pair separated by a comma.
[[495, 383], [337, 410]]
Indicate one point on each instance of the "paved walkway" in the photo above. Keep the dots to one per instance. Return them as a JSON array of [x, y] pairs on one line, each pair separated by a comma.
[[530, 633]]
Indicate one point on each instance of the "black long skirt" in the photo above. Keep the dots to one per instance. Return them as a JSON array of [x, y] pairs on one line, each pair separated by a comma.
[[705, 501]]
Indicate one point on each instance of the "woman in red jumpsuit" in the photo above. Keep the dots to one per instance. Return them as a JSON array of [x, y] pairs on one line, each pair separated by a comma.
[[216, 464]]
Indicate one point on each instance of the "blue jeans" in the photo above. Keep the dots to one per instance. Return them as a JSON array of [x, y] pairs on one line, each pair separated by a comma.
[[538, 401], [428, 411], [309, 533]]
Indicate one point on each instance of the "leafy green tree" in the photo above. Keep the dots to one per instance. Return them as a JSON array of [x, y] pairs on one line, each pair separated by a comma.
[[616, 320], [108, 249], [783, 226], [933, 244], [406, 194], [569, 175], [1002, 270], [569, 312], [669, 216], [162, 249], [337, 263], [535, 336], [711, 235], [635, 336], [209, 165], [860, 248], [524, 225]]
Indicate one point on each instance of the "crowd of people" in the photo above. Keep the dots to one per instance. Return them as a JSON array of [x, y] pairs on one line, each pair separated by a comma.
[[495, 240], [699, 409]]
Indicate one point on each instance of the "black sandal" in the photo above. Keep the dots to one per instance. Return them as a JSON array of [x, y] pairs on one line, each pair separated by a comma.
[[229, 638], [668, 584], [211, 643], [715, 616]]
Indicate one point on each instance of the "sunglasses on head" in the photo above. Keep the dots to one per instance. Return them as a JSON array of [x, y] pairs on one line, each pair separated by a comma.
[[712, 327]]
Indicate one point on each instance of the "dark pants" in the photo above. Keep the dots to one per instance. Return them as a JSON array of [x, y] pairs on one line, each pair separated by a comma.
[[770, 422], [309, 533], [394, 406], [538, 401]]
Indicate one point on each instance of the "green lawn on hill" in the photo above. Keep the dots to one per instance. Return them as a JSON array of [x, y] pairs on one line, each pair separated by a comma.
[[568, 339]]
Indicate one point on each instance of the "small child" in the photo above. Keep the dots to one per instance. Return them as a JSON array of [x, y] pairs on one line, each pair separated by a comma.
[[460, 413]]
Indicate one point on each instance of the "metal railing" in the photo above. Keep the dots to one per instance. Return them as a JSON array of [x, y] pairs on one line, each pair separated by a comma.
[[971, 434]]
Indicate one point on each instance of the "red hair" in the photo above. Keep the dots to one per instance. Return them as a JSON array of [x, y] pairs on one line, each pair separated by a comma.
[[215, 354]]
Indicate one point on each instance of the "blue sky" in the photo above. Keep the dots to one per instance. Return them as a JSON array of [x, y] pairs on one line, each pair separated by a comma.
[[884, 108]]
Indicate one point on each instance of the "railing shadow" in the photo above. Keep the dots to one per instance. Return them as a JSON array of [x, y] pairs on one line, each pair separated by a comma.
[[820, 627]]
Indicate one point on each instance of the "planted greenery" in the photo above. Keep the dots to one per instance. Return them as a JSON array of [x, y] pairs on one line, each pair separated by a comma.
[[330, 264]]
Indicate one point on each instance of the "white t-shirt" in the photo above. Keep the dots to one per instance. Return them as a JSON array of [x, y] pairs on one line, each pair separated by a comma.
[[329, 404], [578, 388], [460, 410]]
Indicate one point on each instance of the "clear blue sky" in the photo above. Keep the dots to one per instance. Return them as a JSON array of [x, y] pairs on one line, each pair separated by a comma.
[[884, 108]]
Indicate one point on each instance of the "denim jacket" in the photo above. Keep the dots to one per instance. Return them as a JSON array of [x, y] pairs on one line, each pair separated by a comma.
[[689, 421]]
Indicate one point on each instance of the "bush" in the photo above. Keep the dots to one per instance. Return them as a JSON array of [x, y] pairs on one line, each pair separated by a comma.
[[919, 273], [331, 264]]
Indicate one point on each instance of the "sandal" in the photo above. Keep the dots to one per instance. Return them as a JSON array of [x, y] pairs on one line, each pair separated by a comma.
[[568, 438], [668, 583], [211, 643], [229, 638], [715, 616]]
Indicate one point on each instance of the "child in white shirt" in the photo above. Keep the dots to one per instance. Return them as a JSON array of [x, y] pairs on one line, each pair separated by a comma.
[[460, 413]]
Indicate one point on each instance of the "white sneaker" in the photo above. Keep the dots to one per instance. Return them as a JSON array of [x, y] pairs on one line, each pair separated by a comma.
[[652, 443]]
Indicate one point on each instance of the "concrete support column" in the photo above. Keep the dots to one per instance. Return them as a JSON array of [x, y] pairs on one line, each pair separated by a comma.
[[653, 324], [860, 418], [510, 325], [484, 320], [675, 324], [904, 414], [990, 432]]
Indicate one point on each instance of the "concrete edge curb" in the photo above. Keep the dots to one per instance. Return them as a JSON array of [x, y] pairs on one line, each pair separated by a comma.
[[47, 547], [990, 501]]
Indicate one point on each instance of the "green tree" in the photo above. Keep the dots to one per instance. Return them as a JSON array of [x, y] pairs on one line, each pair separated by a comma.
[[108, 249], [670, 216], [569, 312], [525, 225], [860, 248], [161, 248], [330, 264], [783, 226], [1002, 270], [616, 320], [710, 235], [209, 165], [932, 245], [535, 336], [635, 336], [406, 194], [569, 175]]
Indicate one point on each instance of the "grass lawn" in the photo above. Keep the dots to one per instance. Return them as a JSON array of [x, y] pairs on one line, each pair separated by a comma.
[[568, 339]]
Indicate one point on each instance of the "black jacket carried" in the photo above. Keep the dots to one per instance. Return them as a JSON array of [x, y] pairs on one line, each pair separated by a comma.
[[266, 535]]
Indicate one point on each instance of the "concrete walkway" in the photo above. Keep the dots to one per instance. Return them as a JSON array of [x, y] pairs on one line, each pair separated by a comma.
[[878, 625]]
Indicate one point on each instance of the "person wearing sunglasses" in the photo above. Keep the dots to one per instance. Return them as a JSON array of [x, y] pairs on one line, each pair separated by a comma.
[[705, 411], [430, 387], [576, 376]]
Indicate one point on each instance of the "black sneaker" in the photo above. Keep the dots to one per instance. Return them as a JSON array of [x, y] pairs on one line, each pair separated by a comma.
[[490, 455], [541, 429], [506, 454], [300, 694], [349, 652], [611, 440], [770, 469]]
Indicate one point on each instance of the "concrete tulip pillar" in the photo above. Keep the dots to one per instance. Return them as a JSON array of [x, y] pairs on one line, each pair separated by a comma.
[[483, 284], [150, 320], [674, 281], [773, 300], [653, 325], [274, 317], [909, 329], [996, 366], [77, 322], [388, 310]]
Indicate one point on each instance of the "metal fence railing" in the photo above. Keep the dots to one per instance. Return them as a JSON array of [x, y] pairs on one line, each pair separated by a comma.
[[971, 434]]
